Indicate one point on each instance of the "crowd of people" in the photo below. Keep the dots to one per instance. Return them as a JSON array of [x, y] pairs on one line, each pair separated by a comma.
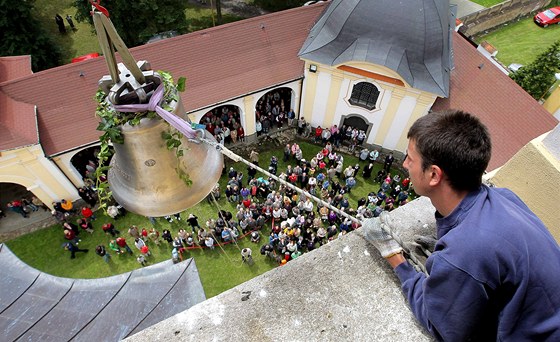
[[270, 211], [346, 135], [282, 221], [273, 110], [224, 123]]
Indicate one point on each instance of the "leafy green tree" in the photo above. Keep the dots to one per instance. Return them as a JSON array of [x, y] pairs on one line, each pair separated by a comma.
[[537, 77], [137, 21], [22, 36]]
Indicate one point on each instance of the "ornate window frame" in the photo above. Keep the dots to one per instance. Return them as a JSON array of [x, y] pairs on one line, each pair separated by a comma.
[[365, 94]]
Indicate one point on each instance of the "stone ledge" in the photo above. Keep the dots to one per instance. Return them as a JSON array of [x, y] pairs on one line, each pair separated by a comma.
[[341, 291]]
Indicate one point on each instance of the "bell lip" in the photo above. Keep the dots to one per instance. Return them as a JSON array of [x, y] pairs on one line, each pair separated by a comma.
[[129, 199]]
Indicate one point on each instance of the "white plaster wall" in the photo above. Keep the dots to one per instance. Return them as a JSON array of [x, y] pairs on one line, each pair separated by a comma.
[[374, 117], [30, 168], [400, 120], [321, 99]]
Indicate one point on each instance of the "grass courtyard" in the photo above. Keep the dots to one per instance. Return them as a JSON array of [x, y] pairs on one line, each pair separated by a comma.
[[220, 269], [520, 41], [84, 41]]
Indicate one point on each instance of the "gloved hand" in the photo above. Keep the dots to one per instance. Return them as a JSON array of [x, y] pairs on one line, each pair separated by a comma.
[[374, 233]]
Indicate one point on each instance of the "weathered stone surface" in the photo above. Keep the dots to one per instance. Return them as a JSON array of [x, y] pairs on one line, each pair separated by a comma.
[[342, 291]]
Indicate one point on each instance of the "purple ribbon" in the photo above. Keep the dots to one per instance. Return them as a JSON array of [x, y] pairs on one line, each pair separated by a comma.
[[175, 121]]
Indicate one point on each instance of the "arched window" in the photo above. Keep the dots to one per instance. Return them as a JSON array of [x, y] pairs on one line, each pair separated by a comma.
[[364, 95]]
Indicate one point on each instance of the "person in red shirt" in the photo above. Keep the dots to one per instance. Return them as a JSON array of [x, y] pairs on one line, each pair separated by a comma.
[[406, 183], [292, 178], [121, 242], [70, 235], [109, 228], [85, 225], [88, 213], [240, 133], [318, 132]]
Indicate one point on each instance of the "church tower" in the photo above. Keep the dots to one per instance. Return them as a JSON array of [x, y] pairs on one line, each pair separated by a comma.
[[377, 66]]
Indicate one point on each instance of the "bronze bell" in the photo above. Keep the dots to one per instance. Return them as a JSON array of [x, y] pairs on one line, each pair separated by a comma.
[[143, 175]]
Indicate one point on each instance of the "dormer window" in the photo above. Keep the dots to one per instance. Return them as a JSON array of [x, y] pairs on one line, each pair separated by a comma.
[[364, 95]]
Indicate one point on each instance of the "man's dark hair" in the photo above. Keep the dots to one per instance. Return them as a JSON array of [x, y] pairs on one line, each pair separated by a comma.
[[455, 141]]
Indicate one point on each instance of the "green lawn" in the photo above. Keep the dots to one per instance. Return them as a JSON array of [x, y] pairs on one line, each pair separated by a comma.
[[73, 43], [487, 3], [219, 269], [83, 40], [520, 41]]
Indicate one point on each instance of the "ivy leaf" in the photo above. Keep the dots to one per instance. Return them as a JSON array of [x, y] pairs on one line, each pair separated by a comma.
[[135, 121], [180, 153], [170, 144], [115, 135], [181, 84]]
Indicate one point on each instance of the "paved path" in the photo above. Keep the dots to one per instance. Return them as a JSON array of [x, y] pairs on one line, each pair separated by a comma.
[[465, 7]]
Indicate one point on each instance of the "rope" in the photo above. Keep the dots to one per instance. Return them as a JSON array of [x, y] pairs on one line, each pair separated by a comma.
[[153, 106], [234, 240]]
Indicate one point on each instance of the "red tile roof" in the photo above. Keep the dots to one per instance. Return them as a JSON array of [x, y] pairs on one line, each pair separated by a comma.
[[12, 67], [220, 63], [513, 117], [231, 60], [18, 124]]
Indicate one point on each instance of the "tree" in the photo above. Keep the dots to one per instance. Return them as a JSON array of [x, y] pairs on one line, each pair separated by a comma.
[[22, 36], [219, 11], [274, 5], [537, 77], [137, 21]]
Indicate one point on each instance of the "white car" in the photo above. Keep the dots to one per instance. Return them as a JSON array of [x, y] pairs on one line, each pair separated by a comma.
[[513, 67]]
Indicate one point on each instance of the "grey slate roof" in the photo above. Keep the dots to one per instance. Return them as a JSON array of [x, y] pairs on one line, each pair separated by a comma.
[[411, 39], [35, 306]]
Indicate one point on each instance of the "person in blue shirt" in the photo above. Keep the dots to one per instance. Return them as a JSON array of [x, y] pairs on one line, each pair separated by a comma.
[[495, 270]]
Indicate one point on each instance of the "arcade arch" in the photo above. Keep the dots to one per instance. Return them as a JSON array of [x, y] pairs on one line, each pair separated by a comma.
[[218, 118], [85, 161], [272, 108], [352, 121]]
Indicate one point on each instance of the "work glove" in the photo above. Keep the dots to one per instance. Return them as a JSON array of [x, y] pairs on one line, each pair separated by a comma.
[[375, 231]]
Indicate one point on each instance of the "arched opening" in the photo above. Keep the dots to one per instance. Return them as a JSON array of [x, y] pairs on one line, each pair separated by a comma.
[[355, 127], [224, 122], [23, 211], [86, 161], [274, 110]]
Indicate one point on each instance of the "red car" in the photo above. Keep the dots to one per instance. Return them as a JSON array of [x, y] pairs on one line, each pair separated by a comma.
[[548, 17]]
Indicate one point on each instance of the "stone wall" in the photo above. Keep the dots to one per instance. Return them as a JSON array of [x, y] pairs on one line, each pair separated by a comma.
[[499, 14]]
